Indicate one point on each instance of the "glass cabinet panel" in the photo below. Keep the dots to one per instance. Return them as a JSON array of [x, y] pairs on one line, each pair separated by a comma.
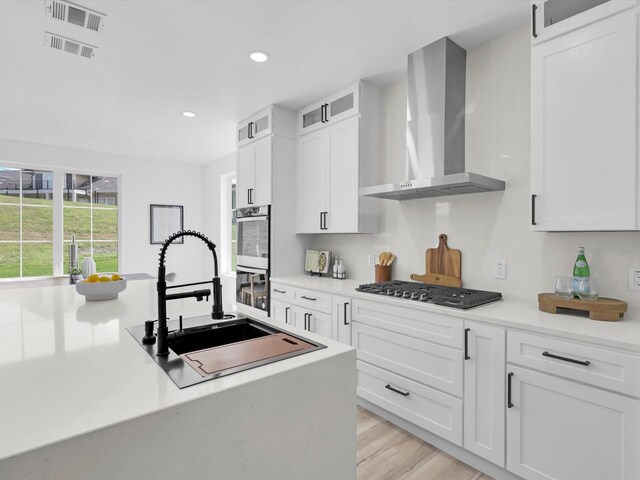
[[243, 133], [341, 105], [312, 117], [261, 124], [558, 10]]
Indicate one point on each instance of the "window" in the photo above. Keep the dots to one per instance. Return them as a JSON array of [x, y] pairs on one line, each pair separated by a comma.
[[90, 213], [31, 200], [228, 227], [26, 222]]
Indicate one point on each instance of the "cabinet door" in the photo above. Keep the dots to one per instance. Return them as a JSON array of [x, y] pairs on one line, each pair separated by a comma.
[[245, 175], [584, 129], [343, 104], [311, 118], [321, 323], [261, 194], [484, 391], [342, 211], [312, 180], [281, 311], [561, 430], [557, 17], [342, 319]]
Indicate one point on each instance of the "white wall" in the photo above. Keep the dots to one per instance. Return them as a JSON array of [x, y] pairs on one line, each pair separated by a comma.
[[212, 174], [143, 182], [486, 226]]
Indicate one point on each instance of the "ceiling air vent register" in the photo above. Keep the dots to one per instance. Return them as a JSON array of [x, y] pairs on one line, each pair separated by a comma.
[[70, 46], [75, 14]]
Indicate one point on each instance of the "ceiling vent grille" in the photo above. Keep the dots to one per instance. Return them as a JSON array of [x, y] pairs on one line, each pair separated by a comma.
[[70, 46], [75, 14]]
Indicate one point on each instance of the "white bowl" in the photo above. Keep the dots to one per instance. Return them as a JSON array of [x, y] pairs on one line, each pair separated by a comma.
[[94, 291]]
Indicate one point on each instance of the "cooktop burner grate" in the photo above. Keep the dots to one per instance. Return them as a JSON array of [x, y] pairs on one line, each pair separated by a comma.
[[463, 298]]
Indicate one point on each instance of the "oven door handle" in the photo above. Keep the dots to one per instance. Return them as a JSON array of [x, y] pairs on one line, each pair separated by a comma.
[[251, 269], [256, 218]]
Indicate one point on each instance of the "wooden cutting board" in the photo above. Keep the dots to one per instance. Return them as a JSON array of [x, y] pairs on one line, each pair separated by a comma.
[[443, 265], [608, 309]]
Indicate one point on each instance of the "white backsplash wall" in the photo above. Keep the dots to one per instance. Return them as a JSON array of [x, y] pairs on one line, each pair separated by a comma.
[[486, 226]]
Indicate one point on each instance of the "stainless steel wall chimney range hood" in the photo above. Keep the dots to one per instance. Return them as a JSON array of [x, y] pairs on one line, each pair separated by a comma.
[[435, 129]]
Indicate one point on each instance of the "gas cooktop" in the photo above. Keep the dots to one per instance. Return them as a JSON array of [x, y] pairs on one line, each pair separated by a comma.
[[463, 298]]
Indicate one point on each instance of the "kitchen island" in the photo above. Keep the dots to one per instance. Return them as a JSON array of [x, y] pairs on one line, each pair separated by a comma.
[[81, 399]]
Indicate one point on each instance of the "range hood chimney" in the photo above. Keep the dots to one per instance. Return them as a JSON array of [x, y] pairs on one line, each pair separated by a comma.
[[435, 128]]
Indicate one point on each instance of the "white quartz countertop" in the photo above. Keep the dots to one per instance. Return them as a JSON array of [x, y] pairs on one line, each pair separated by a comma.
[[69, 367], [623, 334]]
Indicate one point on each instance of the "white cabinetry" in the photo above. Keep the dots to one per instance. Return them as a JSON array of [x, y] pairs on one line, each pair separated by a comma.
[[560, 429], [334, 108], [584, 97], [314, 311], [335, 159], [484, 391], [406, 364], [257, 147], [253, 174]]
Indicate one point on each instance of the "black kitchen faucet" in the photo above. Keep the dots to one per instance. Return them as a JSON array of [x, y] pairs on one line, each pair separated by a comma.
[[163, 336]]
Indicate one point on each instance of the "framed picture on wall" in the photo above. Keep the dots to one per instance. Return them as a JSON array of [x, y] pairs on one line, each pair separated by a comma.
[[165, 221]]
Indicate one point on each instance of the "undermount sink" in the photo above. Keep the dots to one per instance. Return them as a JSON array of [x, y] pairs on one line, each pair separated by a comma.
[[216, 335], [206, 350]]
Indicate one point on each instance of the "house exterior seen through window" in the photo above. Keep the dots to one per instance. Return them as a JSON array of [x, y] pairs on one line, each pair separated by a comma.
[[30, 200]]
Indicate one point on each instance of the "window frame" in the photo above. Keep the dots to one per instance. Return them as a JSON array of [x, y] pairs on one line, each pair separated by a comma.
[[58, 205]]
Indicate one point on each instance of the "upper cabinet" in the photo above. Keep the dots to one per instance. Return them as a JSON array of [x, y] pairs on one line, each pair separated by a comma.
[[584, 125], [256, 150], [337, 154], [331, 109], [557, 17]]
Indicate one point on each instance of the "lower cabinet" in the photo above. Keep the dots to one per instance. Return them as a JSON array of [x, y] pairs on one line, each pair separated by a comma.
[[562, 430], [484, 391], [319, 312], [312, 320]]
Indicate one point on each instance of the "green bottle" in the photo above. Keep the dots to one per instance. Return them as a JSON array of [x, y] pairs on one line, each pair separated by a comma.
[[581, 273]]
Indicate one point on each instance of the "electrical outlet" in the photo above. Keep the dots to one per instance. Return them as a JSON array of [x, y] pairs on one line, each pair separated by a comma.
[[634, 278], [371, 260], [500, 269]]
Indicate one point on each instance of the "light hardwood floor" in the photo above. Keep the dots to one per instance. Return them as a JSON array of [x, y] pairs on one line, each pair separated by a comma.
[[388, 452]]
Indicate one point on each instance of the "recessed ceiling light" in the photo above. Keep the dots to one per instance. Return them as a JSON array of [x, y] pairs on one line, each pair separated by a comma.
[[188, 114], [258, 56]]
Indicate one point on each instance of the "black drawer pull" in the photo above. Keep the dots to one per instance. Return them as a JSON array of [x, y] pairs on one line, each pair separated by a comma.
[[279, 291], [509, 403], [534, 7], [389, 387], [308, 298], [586, 363], [466, 344], [533, 209], [346, 304]]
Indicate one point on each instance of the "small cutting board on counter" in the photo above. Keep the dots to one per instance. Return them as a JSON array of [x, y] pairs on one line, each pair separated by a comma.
[[443, 265]]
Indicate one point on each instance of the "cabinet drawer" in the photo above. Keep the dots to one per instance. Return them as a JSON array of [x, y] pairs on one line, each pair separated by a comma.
[[430, 364], [282, 292], [610, 369], [428, 326], [312, 299], [430, 409]]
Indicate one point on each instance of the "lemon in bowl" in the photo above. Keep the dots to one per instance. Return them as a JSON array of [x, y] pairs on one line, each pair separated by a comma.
[[104, 286]]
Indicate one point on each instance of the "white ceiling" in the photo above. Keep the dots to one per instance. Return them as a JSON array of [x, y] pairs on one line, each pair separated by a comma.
[[157, 58]]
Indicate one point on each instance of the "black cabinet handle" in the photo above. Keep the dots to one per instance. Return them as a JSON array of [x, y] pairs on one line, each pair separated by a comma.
[[466, 344], [586, 363], [321, 221], [324, 223], [248, 196], [345, 313], [279, 291], [509, 403], [533, 208], [309, 298], [534, 7], [308, 322], [286, 315], [389, 387], [251, 196], [326, 112]]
